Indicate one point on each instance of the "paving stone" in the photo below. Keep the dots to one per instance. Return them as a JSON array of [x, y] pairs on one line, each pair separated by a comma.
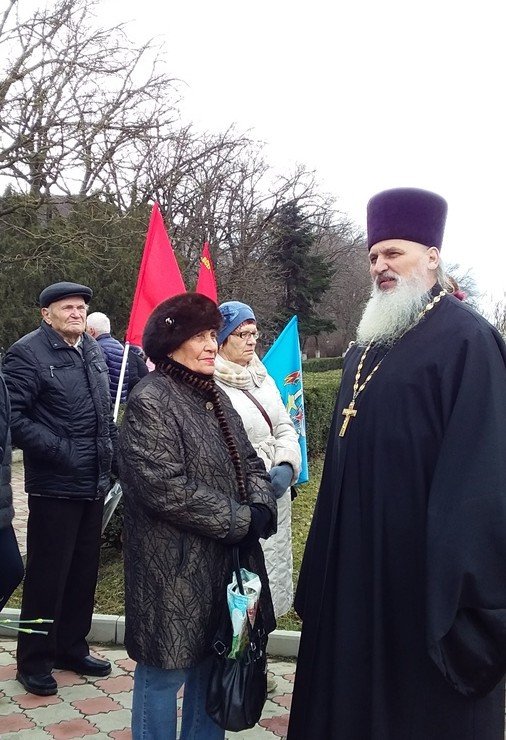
[[110, 721], [68, 678], [97, 705], [9, 646], [116, 684], [15, 722], [283, 686], [72, 728], [282, 700], [31, 701], [127, 665], [84, 691], [7, 707], [33, 734], [11, 688], [43, 716], [7, 671], [278, 725], [281, 667], [125, 699], [5, 659]]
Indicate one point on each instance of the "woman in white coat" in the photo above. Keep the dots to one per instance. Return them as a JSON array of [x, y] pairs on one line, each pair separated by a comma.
[[254, 395]]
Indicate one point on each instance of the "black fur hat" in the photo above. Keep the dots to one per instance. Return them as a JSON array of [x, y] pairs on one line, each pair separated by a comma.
[[177, 319]]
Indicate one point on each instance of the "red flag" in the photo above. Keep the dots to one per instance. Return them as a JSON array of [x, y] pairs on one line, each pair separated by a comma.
[[206, 282], [159, 276]]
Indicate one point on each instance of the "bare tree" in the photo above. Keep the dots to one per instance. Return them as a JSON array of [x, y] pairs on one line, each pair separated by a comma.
[[464, 280], [78, 115], [219, 188], [343, 246], [495, 312], [89, 138]]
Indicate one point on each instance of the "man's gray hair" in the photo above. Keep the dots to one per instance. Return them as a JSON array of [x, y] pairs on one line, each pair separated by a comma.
[[442, 278], [100, 322]]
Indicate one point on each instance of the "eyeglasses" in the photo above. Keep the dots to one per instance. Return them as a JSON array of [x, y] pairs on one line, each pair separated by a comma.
[[244, 335]]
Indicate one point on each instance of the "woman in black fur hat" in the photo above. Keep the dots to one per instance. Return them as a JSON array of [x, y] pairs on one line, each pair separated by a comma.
[[193, 486]]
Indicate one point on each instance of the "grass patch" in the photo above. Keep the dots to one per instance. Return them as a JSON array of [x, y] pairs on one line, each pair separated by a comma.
[[302, 513], [110, 593]]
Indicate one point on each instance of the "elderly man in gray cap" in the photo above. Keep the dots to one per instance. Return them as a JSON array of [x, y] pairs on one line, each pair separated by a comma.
[[61, 418]]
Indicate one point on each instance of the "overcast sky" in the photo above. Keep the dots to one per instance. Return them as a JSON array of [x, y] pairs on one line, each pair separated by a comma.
[[371, 95]]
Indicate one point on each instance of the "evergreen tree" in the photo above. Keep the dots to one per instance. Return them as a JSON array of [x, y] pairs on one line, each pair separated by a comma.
[[86, 241], [306, 276]]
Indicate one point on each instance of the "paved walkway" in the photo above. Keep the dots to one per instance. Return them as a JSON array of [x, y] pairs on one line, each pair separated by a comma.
[[100, 707], [20, 505]]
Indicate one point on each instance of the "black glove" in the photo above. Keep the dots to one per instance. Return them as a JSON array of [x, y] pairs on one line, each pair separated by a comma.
[[259, 525]]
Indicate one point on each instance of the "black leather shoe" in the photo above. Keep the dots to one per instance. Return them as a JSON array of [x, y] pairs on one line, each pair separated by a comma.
[[87, 666], [41, 684]]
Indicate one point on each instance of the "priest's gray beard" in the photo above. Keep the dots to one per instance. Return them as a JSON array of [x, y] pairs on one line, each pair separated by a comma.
[[388, 314]]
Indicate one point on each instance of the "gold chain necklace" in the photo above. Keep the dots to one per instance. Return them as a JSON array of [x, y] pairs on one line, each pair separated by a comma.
[[350, 411]]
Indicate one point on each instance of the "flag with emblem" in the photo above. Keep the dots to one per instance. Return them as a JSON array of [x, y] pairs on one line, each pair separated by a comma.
[[159, 276], [206, 282], [284, 363]]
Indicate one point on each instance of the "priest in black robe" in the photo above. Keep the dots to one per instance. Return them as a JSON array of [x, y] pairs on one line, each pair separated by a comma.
[[402, 590]]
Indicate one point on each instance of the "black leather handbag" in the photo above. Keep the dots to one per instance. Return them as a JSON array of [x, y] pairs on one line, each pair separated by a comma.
[[237, 688]]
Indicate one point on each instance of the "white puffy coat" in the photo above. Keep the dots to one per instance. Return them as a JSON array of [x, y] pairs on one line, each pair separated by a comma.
[[279, 447]]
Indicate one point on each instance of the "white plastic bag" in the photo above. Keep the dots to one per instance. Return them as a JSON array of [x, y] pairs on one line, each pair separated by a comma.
[[112, 499], [242, 607]]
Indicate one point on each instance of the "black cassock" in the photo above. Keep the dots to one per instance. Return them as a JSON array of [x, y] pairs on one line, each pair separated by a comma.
[[402, 590]]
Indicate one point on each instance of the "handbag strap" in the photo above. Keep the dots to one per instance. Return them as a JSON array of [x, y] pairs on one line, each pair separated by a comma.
[[237, 568], [237, 571], [260, 408], [260, 632]]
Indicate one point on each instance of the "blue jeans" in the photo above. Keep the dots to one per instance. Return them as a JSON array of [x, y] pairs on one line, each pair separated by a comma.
[[154, 712]]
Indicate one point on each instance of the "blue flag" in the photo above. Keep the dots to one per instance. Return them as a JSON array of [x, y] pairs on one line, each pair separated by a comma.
[[284, 364]]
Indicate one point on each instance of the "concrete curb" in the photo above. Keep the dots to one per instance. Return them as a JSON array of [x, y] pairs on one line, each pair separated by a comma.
[[109, 628]]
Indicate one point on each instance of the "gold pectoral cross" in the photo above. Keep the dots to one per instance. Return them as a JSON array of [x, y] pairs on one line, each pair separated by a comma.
[[347, 413]]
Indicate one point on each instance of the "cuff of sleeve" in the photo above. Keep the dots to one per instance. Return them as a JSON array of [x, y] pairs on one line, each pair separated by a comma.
[[286, 456], [240, 520]]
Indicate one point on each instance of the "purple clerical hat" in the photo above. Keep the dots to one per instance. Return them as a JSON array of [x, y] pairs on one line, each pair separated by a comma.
[[406, 213]]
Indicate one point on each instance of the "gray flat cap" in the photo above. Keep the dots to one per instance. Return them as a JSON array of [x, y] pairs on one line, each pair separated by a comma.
[[57, 291]]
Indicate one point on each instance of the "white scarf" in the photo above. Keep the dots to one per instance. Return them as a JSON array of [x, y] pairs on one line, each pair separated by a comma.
[[238, 376]]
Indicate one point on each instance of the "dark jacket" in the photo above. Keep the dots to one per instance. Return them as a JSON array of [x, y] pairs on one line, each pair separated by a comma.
[[182, 513], [61, 414], [6, 508], [137, 368], [113, 352]]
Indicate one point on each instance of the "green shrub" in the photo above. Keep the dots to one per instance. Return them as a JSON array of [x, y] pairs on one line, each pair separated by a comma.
[[322, 364], [112, 535], [320, 392]]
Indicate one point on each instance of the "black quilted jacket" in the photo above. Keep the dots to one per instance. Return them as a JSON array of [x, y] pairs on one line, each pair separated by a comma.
[[182, 513], [61, 414]]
